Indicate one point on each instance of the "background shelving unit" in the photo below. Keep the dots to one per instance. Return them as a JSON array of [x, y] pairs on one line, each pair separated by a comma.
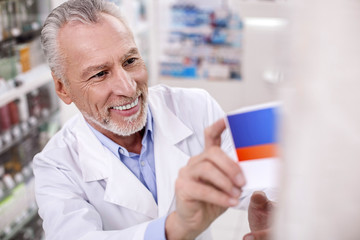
[[18, 146], [265, 25], [34, 79], [29, 113]]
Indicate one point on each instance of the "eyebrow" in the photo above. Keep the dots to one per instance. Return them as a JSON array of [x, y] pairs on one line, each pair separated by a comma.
[[132, 51], [94, 68]]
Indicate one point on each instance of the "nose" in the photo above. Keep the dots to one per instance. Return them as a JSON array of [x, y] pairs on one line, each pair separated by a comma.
[[123, 83]]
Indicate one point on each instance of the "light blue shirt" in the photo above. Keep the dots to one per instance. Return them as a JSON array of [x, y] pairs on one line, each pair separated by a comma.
[[143, 167]]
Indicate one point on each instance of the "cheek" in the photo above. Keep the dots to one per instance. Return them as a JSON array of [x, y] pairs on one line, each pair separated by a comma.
[[98, 96], [91, 99], [141, 75]]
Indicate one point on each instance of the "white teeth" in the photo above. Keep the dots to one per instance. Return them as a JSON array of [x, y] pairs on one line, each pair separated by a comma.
[[128, 106]]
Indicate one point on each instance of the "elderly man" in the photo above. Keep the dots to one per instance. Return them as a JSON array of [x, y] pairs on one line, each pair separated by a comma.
[[135, 164]]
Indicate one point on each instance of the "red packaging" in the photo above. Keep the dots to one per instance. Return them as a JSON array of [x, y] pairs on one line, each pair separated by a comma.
[[14, 113], [5, 120]]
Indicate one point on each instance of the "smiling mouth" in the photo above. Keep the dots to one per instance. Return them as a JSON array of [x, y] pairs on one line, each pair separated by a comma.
[[127, 106]]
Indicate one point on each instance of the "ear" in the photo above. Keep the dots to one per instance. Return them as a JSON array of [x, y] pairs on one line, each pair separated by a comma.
[[61, 90]]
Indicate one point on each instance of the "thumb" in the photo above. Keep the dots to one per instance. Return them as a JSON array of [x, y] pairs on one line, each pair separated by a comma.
[[258, 235], [260, 201], [213, 133], [259, 211]]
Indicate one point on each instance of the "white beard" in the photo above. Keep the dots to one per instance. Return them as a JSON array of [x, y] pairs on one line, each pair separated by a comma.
[[133, 124]]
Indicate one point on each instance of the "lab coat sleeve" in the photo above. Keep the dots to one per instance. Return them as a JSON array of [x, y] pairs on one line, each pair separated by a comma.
[[65, 210]]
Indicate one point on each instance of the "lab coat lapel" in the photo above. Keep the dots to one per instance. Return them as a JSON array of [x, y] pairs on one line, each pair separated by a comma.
[[169, 158], [90, 150], [122, 187]]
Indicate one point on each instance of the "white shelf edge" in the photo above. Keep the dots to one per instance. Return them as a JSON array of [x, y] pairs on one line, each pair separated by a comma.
[[41, 73]]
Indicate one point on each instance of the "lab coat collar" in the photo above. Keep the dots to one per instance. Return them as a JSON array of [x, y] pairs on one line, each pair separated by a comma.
[[169, 157], [124, 189], [167, 123]]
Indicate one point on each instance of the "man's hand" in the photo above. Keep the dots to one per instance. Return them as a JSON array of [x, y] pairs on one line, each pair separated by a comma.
[[259, 212], [209, 184]]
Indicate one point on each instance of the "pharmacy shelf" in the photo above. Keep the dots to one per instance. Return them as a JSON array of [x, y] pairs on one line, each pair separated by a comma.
[[30, 215], [18, 133], [30, 80], [21, 36]]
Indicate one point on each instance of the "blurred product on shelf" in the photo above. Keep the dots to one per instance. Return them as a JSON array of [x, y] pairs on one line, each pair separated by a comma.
[[5, 120], [19, 117], [29, 114], [14, 112], [19, 42], [26, 124], [17, 203], [8, 67], [202, 43], [19, 17]]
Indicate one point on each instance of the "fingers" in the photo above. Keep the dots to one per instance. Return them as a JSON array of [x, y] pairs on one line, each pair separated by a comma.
[[220, 161], [259, 212], [205, 193], [259, 201], [217, 178], [258, 235], [213, 133], [211, 177], [223, 162], [213, 153], [209, 174]]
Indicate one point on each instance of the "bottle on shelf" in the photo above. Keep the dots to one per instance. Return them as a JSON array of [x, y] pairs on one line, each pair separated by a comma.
[[8, 60], [5, 123], [24, 95]]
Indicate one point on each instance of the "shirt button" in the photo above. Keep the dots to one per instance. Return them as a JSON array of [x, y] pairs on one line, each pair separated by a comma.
[[142, 163], [121, 151]]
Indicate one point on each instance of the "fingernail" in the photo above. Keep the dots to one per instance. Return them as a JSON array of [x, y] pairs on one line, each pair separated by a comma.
[[233, 201], [239, 179], [249, 237], [235, 192]]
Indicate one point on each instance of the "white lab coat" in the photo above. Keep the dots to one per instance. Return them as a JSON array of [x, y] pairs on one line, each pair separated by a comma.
[[84, 192]]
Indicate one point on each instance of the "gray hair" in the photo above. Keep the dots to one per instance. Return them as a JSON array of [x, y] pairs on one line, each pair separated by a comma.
[[84, 11]]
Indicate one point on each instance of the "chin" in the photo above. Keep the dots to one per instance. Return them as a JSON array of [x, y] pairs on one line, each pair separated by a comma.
[[129, 125]]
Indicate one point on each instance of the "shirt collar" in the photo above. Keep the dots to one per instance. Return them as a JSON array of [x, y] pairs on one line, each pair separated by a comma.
[[114, 147]]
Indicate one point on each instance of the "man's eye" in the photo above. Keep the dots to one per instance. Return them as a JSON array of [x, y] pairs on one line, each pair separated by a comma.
[[130, 61], [99, 74]]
